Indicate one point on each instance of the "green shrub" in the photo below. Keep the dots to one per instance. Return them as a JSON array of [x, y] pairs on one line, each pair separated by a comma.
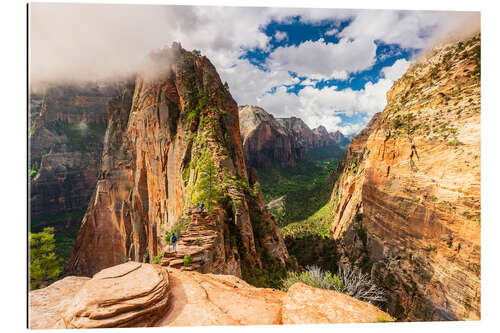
[[197, 242], [32, 173], [454, 143], [314, 277], [430, 248], [348, 281], [187, 260], [158, 259], [397, 123], [45, 266]]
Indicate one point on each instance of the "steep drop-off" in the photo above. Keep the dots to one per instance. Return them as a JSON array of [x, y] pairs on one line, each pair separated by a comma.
[[172, 143], [270, 142], [407, 201], [67, 125]]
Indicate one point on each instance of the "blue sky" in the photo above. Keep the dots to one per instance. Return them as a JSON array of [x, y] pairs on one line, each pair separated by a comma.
[[294, 32], [330, 67]]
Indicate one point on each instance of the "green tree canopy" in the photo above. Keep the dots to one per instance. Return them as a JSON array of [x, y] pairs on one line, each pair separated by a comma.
[[44, 264]]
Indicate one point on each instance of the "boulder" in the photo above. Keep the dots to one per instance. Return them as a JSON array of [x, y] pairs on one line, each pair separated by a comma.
[[303, 304], [130, 294]]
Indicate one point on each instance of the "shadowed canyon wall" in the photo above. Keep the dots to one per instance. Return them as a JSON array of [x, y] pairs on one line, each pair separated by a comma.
[[67, 126]]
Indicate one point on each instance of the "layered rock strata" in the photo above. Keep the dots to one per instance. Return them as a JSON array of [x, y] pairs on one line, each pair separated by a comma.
[[172, 143], [407, 200], [67, 126]]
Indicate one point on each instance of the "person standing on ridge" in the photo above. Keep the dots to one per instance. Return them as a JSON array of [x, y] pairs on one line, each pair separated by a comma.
[[173, 240], [201, 207]]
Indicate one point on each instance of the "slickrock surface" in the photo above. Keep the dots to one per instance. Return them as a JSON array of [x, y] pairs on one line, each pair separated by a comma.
[[124, 295], [303, 304], [408, 199], [144, 295], [47, 304], [172, 143], [207, 299], [270, 142]]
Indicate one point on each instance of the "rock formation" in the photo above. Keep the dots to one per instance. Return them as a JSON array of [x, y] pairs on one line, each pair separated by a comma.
[[269, 142], [143, 295], [265, 142], [67, 125], [172, 143], [407, 201]]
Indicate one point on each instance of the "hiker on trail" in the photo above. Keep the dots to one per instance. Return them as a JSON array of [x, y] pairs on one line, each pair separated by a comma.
[[201, 207], [173, 240]]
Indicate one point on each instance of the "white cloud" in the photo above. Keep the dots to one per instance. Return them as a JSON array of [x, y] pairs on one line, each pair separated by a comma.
[[395, 71], [332, 32], [324, 106], [415, 29], [321, 60], [280, 35]]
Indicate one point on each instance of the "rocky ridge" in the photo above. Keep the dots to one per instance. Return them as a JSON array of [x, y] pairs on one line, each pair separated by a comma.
[[172, 143], [136, 294], [407, 201], [269, 142]]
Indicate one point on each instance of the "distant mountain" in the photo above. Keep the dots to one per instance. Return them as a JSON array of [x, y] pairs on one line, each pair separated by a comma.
[[269, 141]]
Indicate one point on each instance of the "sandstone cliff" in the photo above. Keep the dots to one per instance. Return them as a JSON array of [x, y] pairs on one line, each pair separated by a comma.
[[142, 295], [269, 142], [266, 143], [172, 143], [67, 125], [407, 201]]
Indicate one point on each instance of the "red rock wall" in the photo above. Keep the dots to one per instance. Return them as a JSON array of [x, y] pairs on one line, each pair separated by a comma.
[[409, 211], [161, 135]]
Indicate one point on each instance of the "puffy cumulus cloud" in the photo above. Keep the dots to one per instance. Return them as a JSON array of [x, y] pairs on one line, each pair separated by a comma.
[[324, 106], [415, 29], [247, 83], [321, 60], [397, 70]]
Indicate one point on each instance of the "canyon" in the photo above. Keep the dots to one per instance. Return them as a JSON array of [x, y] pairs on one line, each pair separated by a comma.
[[66, 137], [140, 157], [279, 142], [407, 201]]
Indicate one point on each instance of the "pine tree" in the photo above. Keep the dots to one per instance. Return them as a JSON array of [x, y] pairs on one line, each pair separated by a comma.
[[208, 191], [44, 264]]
